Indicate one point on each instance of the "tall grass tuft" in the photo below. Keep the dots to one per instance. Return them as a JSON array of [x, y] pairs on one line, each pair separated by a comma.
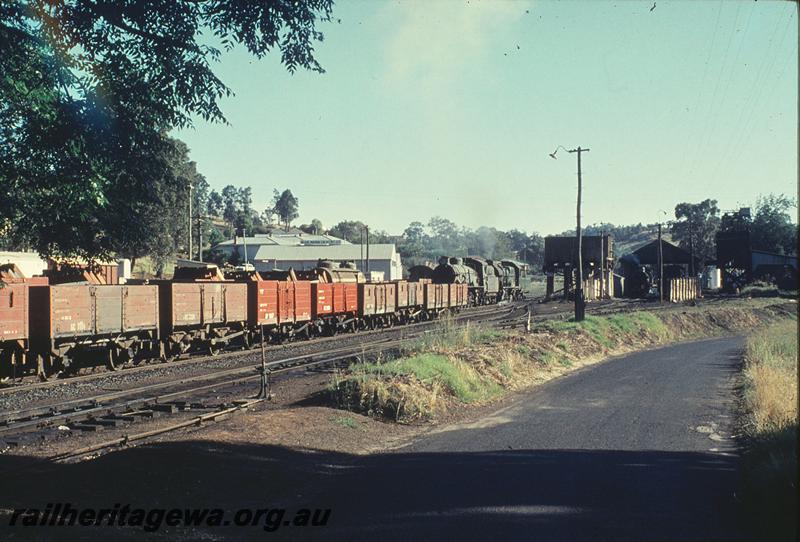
[[770, 428]]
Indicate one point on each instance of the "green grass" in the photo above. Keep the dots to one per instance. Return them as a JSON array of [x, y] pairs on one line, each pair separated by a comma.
[[770, 427], [775, 346], [550, 358], [447, 335], [536, 286], [457, 377], [609, 331], [524, 350]]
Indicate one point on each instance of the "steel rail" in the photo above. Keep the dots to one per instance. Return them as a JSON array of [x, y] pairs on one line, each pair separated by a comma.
[[195, 359]]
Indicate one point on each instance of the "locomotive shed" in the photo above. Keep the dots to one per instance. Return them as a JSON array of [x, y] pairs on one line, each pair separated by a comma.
[[104, 411]]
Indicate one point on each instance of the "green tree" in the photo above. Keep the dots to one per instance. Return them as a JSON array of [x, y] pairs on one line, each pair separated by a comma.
[[215, 204], [314, 228], [695, 228], [446, 238], [349, 230], [414, 241], [286, 207], [158, 226], [772, 228], [88, 91]]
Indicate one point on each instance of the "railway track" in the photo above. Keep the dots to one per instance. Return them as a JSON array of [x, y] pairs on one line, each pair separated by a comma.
[[123, 407], [195, 399], [32, 383]]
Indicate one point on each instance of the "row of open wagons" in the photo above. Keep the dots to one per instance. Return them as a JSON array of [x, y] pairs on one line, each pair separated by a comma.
[[51, 329]]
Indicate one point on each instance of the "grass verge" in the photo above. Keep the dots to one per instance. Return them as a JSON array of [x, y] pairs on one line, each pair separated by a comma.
[[454, 367], [769, 425]]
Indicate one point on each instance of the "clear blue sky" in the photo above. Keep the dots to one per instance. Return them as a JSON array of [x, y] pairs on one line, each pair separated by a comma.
[[450, 108]]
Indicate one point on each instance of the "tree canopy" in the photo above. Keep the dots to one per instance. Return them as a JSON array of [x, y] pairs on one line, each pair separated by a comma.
[[89, 90], [286, 207], [695, 228], [772, 228]]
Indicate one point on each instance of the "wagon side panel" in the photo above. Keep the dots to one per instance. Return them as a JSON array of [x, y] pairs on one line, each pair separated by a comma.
[[366, 299], [302, 300], [107, 309], [71, 311], [185, 304], [350, 297], [235, 296], [391, 297], [140, 307], [14, 312], [322, 299], [213, 302]]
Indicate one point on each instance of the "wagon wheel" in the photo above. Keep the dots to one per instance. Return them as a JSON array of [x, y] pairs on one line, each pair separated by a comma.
[[44, 366], [116, 358], [214, 348]]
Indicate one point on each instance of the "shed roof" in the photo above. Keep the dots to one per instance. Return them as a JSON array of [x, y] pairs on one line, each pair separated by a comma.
[[283, 238], [648, 254], [330, 252]]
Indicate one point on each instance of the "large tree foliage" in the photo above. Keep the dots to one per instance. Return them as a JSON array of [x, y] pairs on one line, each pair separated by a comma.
[[157, 222], [349, 230], [237, 209], [88, 90], [695, 228], [286, 207], [315, 227], [772, 228]]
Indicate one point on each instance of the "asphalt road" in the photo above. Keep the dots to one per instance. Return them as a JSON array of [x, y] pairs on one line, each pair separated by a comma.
[[636, 448]]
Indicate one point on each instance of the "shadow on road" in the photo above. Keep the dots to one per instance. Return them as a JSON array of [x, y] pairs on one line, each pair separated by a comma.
[[517, 494]]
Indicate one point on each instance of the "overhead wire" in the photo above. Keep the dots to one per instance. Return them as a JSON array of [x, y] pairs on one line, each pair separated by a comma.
[[744, 134], [751, 95], [742, 41], [700, 150], [694, 109]]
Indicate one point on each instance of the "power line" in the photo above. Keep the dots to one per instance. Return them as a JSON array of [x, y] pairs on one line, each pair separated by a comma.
[[702, 81], [743, 135], [707, 127]]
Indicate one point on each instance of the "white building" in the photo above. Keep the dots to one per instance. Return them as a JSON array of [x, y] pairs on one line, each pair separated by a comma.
[[303, 251], [29, 263]]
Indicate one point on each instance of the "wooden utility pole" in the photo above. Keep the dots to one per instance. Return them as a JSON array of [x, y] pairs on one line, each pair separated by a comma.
[[189, 251], [199, 237], [367, 228], [602, 269], [691, 249], [579, 301], [660, 267]]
